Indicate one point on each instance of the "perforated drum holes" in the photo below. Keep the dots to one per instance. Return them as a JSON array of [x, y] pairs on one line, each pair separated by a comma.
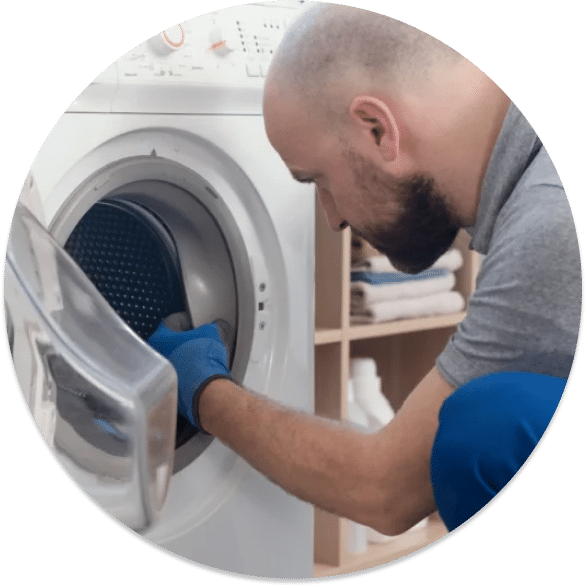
[[130, 263]]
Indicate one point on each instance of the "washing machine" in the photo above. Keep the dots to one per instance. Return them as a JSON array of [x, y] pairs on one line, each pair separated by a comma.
[[156, 193]]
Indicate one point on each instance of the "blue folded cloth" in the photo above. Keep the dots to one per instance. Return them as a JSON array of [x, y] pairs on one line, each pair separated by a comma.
[[394, 277]]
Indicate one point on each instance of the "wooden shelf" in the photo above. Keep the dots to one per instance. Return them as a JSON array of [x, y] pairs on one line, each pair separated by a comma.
[[327, 335], [378, 554], [359, 331]]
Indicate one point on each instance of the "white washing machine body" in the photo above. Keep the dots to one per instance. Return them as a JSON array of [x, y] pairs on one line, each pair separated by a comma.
[[176, 126]]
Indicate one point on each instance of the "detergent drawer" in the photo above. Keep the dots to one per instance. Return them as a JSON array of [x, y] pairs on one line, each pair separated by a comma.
[[104, 400]]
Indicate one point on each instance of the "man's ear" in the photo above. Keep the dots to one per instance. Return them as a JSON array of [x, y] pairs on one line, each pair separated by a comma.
[[374, 116]]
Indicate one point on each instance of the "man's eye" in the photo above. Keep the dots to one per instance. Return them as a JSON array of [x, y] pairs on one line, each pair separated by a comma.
[[302, 178], [305, 179]]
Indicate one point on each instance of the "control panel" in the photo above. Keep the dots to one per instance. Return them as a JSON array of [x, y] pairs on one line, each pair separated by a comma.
[[233, 45], [201, 48], [212, 63]]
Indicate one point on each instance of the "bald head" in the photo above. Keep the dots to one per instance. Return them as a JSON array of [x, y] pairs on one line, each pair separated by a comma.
[[372, 111], [332, 47]]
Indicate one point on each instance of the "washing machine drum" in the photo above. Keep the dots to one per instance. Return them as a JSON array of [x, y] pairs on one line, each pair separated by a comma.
[[131, 258]]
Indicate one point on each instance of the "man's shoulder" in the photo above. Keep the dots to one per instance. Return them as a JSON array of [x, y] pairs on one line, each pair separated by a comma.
[[537, 210]]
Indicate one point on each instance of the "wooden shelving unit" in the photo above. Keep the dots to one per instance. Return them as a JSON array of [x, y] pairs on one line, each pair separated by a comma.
[[405, 350]]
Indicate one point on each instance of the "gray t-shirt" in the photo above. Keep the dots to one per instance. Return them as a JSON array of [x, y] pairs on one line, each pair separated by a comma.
[[525, 312]]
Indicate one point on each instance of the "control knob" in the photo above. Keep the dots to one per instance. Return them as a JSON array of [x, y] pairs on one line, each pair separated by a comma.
[[169, 40], [221, 43]]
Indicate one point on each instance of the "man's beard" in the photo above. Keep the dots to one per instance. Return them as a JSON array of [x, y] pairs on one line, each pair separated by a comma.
[[425, 227]]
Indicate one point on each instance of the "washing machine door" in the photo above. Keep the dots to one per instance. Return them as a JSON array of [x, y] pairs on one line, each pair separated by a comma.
[[104, 400]]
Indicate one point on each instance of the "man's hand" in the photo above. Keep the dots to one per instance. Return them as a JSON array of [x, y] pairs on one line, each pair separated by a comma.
[[198, 355]]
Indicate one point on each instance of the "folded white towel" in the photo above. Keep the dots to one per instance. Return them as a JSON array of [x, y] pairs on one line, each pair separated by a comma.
[[363, 294], [452, 260], [437, 304]]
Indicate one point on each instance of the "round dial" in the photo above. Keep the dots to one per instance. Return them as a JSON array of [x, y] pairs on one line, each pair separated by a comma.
[[221, 42], [169, 40]]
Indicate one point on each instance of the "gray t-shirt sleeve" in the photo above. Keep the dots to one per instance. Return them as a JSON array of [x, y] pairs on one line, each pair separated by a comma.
[[525, 312]]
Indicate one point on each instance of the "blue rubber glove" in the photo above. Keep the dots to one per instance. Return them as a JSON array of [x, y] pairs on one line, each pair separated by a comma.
[[165, 340], [199, 356]]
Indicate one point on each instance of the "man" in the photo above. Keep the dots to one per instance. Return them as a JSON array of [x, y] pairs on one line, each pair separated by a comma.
[[407, 142]]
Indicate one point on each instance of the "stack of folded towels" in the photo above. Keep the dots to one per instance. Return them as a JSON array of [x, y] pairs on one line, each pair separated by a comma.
[[381, 293]]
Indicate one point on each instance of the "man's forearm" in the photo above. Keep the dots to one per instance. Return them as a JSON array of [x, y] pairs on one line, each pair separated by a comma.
[[323, 462]]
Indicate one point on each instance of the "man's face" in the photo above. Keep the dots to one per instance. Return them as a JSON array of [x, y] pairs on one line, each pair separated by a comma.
[[421, 227], [407, 219]]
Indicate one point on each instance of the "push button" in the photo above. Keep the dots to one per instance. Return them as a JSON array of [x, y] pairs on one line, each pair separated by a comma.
[[253, 69]]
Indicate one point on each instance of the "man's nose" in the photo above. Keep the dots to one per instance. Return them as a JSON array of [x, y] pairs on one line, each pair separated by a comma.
[[335, 220]]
